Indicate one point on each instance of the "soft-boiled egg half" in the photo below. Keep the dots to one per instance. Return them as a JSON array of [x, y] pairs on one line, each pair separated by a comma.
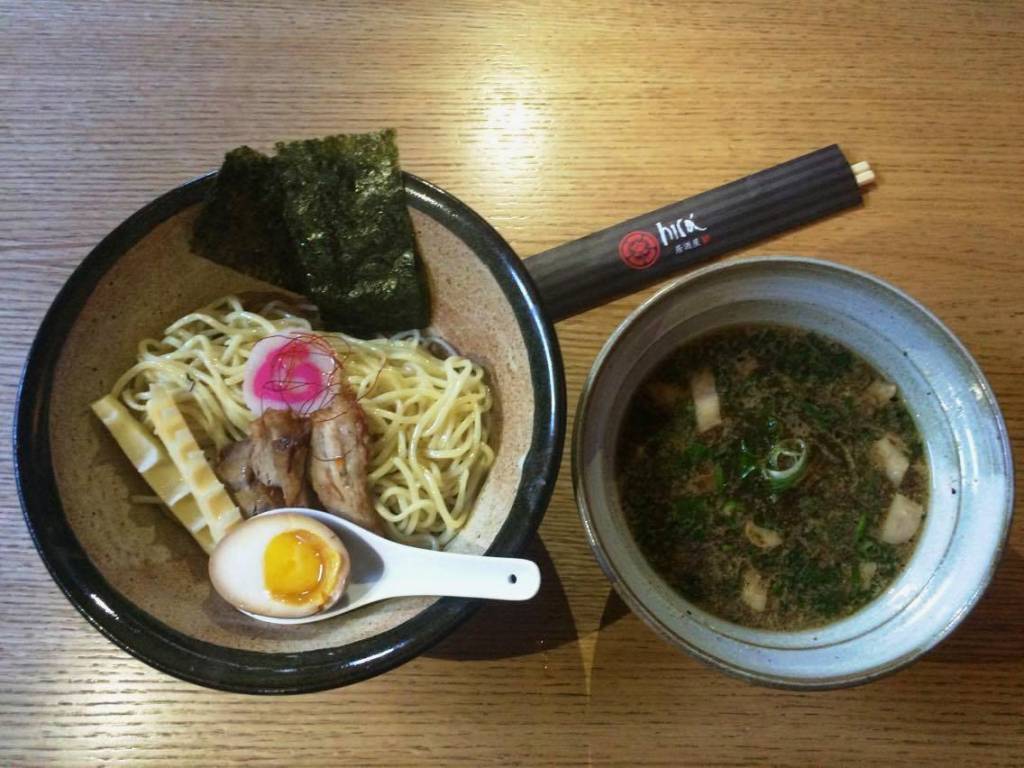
[[282, 565]]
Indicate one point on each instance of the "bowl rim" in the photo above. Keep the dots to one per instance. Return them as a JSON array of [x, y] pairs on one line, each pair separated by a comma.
[[635, 602], [232, 669]]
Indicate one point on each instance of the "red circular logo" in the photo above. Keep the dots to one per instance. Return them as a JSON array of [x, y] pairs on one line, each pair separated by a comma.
[[639, 249]]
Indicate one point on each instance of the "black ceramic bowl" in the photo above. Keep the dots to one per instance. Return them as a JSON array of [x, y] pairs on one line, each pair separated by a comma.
[[137, 576]]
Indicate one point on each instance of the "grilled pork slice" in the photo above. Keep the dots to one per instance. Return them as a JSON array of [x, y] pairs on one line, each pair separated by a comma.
[[235, 470], [267, 470], [340, 459], [280, 444]]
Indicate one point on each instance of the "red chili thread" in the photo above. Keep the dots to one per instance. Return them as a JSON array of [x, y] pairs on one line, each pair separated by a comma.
[[297, 348], [334, 382]]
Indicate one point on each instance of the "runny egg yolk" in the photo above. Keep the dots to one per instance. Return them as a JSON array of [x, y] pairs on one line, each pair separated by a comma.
[[299, 567]]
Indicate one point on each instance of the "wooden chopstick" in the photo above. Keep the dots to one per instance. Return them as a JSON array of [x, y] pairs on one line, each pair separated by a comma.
[[863, 173]]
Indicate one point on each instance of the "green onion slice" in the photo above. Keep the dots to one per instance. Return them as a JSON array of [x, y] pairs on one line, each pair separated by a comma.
[[787, 464]]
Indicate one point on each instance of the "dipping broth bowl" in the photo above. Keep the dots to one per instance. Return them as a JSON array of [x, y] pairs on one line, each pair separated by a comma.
[[971, 480]]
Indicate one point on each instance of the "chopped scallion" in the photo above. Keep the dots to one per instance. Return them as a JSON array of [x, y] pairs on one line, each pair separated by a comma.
[[787, 464]]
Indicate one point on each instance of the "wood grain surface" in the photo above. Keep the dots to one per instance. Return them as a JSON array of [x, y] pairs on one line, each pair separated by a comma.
[[551, 120]]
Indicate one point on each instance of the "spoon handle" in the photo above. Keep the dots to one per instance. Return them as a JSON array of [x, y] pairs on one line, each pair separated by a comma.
[[454, 575]]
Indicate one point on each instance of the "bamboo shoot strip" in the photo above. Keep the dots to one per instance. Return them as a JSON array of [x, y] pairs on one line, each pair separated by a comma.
[[213, 500], [152, 462]]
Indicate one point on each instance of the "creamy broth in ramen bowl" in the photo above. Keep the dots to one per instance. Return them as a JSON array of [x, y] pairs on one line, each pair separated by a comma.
[[793, 471]]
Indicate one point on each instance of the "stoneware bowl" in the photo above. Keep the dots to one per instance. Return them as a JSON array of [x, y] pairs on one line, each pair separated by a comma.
[[136, 575], [970, 494]]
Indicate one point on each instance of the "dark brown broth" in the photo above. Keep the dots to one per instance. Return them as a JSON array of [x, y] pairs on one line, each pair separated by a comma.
[[692, 500]]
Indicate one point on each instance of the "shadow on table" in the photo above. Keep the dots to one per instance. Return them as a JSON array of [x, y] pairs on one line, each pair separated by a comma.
[[994, 631], [614, 609], [506, 629]]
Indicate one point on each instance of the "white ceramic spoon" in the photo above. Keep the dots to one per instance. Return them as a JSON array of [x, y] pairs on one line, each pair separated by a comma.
[[382, 569]]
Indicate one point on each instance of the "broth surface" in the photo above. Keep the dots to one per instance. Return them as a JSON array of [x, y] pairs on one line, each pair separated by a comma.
[[800, 505]]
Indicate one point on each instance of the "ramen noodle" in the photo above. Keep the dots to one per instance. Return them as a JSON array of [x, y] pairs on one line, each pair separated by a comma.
[[427, 408]]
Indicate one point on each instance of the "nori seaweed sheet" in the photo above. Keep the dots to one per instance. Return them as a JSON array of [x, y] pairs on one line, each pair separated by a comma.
[[241, 225], [326, 218]]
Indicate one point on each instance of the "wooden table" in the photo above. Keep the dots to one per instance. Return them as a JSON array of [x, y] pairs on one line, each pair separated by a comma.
[[551, 120]]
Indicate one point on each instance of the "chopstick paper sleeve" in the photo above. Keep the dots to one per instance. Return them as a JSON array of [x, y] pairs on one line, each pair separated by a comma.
[[630, 256]]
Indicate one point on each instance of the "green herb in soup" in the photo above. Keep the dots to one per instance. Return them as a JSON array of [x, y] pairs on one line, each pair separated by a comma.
[[772, 477]]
